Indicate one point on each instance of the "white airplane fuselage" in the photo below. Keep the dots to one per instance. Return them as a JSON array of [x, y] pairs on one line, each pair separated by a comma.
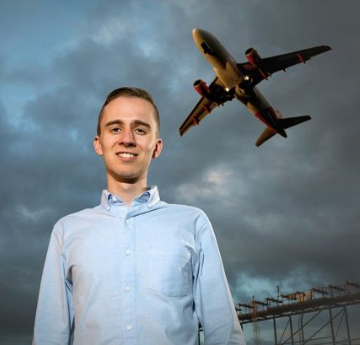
[[226, 69]]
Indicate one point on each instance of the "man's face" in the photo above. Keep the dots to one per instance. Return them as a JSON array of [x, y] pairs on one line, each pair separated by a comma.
[[128, 139]]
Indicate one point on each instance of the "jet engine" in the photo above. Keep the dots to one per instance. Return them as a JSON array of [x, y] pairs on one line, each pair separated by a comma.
[[201, 88], [255, 61], [253, 57]]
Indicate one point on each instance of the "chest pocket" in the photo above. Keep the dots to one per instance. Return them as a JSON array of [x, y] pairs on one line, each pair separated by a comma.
[[170, 273]]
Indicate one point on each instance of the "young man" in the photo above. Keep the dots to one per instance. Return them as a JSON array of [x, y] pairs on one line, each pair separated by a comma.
[[133, 270]]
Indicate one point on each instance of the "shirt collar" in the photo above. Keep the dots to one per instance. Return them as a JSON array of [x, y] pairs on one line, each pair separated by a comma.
[[151, 197]]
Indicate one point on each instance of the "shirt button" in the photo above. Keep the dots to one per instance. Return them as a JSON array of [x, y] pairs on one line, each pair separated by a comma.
[[127, 221], [129, 327], [127, 252], [113, 198], [127, 288]]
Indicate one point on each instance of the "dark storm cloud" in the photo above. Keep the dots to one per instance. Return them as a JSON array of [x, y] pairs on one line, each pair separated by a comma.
[[284, 214]]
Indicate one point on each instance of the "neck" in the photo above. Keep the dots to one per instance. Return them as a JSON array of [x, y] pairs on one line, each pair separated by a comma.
[[127, 191]]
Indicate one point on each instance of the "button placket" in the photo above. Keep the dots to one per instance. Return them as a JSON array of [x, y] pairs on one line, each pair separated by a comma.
[[128, 299]]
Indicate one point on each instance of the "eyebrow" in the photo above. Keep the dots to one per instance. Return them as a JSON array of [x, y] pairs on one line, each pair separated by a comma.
[[119, 122]]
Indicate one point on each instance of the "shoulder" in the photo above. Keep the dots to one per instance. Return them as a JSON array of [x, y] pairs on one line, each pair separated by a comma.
[[179, 207], [191, 213], [75, 219]]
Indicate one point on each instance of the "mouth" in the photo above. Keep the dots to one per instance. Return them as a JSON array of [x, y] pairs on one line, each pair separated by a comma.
[[126, 154]]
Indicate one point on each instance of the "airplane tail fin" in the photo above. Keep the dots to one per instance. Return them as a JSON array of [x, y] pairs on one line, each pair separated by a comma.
[[285, 123]]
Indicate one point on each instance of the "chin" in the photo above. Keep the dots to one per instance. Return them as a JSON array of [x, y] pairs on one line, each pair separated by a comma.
[[124, 177]]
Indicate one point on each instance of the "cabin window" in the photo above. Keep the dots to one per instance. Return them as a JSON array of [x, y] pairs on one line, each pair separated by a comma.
[[206, 48]]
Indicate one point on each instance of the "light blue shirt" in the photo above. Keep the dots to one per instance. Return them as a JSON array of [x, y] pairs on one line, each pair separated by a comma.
[[144, 275]]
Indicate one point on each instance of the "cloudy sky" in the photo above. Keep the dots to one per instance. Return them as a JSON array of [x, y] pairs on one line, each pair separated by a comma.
[[285, 214]]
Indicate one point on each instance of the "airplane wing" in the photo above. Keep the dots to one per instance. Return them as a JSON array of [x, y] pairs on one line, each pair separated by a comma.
[[270, 65], [203, 108]]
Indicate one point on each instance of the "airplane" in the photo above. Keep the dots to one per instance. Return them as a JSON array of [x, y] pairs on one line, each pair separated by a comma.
[[239, 80]]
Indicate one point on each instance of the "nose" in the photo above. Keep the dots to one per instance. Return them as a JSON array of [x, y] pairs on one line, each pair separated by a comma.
[[127, 138], [199, 35]]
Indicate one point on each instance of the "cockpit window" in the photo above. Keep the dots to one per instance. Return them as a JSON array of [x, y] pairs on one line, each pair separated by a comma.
[[206, 48]]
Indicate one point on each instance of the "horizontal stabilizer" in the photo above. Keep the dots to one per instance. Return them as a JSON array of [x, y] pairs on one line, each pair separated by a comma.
[[266, 135], [293, 121], [285, 123]]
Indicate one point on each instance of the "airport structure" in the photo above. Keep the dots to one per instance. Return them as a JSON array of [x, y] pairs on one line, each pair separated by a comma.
[[318, 316]]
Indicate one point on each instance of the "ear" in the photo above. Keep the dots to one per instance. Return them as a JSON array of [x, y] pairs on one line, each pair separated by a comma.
[[97, 146], [158, 148]]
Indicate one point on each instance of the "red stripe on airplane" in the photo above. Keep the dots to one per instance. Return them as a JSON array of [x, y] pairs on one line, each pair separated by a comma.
[[206, 108], [195, 121], [301, 59], [263, 74]]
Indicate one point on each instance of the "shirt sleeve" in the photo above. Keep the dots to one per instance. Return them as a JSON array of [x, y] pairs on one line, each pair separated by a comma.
[[213, 301], [54, 314]]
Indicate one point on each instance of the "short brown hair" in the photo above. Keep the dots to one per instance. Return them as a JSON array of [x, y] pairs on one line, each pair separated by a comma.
[[129, 92]]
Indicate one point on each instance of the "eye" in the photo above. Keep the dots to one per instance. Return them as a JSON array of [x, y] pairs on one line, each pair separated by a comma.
[[140, 130], [115, 130]]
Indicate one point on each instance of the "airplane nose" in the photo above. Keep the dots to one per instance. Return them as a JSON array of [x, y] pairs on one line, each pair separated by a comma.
[[195, 33], [198, 33]]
